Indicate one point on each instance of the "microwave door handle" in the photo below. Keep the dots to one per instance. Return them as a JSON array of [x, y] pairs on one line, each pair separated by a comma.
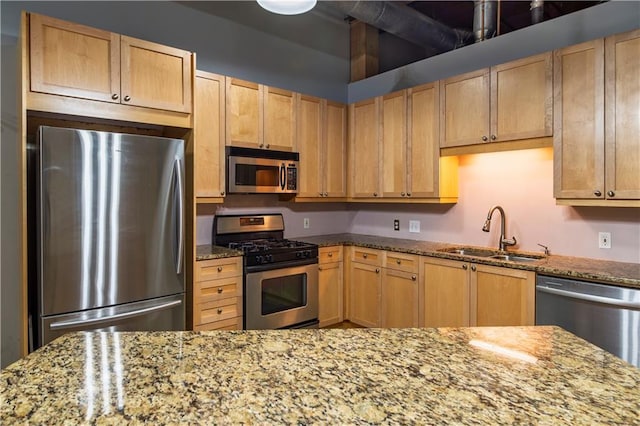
[[283, 176]]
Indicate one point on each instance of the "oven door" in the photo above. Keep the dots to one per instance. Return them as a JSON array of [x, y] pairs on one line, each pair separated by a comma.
[[281, 298]]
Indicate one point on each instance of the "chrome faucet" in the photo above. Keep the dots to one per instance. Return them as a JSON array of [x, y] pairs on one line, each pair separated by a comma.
[[504, 242]]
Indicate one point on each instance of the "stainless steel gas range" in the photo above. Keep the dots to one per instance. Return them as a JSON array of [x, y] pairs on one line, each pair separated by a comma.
[[280, 287]]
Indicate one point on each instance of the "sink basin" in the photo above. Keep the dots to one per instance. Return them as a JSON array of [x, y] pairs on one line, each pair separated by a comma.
[[516, 258], [492, 254], [470, 251]]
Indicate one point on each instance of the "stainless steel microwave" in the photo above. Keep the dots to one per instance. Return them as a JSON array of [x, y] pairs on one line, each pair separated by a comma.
[[260, 171]]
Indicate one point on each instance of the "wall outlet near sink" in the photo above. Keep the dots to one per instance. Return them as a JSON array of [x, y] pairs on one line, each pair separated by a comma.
[[604, 240], [305, 223], [396, 224], [414, 226]]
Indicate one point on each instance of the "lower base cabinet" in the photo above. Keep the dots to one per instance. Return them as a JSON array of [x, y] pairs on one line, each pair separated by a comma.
[[461, 294], [217, 294], [330, 285]]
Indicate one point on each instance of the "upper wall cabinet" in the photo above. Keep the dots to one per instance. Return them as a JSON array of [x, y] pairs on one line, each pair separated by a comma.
[[507, 102], [597, 122], [321, 135], [363, 148], [85, 63], [259, 116], [209, 168]]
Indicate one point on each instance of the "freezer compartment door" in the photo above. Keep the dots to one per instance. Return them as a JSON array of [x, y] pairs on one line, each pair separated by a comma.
[[160, 314]]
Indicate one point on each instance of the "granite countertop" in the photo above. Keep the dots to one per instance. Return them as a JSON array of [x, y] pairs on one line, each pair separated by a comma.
[[489, 375], [207, 252], [618, 273]]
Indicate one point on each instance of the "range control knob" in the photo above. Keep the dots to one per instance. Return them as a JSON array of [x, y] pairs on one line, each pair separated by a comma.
[[259, 259], [269, 258], [298, 254], [307, 253]]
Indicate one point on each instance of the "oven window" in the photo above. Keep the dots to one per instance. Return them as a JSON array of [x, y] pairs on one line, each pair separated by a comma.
[[284, 293], [256, 175]]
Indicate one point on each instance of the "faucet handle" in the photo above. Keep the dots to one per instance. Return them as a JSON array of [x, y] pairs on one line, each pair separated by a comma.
[[509, 241], [546, 249]]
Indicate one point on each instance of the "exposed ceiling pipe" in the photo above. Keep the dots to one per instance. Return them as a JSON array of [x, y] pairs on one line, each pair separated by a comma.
[[401, 20], [484, 19], [537, 11]]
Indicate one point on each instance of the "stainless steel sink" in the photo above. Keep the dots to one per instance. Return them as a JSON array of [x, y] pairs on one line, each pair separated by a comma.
[[516, 258], [493, 254], [470, 251]]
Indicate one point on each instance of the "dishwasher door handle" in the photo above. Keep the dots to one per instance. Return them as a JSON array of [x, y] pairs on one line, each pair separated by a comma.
[[590, 297]]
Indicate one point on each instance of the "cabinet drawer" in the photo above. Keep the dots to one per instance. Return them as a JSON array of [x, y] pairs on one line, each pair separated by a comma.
[[207, 291], [368, 256], [217, 310], [330, 254], [218, 268], [402, 262], [228, 324]]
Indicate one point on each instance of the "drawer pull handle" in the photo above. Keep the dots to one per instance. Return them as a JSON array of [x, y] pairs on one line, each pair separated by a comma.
[[364, 255], [398, 261], [330, 254], [219, 311], [219, 268], [219, 290]]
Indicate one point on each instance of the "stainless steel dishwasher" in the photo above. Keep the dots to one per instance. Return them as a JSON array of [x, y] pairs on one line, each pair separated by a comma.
[[605, 315]]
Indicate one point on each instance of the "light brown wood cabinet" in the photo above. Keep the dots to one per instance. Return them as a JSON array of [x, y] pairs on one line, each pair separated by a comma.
[[399, 298], [364, 283], [259, 116], [330, 285], [321, 142], [364, 148], [217, 294], [460, 294], [507, 102], [209, 156], [77, 61], [597, 125]]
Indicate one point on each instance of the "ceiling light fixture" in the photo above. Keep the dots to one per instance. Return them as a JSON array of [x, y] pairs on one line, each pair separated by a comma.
[[287, 7]]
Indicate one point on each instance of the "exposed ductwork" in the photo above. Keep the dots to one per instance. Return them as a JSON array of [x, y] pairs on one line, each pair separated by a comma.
[[401, 20], [484, 19], [537, 9]]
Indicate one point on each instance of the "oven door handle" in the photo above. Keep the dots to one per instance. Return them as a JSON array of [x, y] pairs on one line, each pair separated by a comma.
[[281, 265], [283, 176]]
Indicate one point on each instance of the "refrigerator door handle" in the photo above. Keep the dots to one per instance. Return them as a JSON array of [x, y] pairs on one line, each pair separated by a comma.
[[93, 321], [178, 171]]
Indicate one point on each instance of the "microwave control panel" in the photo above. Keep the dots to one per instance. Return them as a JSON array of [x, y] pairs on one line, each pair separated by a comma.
[[292, 178]]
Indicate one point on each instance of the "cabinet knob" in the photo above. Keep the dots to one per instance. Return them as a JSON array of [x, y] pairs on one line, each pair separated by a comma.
[[330, 254], [464, 266], [597, 193], [402, 193], [364, 255], [219, 268], [377, 270], [219, 311], [115, 96], [320, 194], [325, 194], [375, 194], [127, 98], [219, 290], [268, 145], [408, 194], [222, 193], [398, 261], [484, 139], [473, 268], [413, 277], [320, 268], [493, 137], [611, 193], [261, 145]]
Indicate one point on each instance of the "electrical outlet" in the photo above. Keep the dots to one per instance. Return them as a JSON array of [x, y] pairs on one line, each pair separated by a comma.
[[414, 226], [306, 223], [396, 225], [604, 240]]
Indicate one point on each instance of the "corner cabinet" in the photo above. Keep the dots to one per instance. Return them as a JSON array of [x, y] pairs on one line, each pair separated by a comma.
[[208, 156], [597, 124], [460, 294], [507, 102], [84, 63], [321, 142], [330, 285]]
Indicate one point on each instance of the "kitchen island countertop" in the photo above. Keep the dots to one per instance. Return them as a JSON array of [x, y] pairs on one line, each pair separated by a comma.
[[501, 375]]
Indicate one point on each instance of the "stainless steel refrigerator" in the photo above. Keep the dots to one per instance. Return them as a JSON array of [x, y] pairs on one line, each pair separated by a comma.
[[110, 232]]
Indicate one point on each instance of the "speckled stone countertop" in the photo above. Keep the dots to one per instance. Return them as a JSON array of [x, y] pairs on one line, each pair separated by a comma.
[[618, 273], [508, 375], [207, 251]]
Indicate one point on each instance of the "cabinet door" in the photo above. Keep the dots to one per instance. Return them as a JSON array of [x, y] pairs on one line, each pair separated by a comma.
[[399, 299], [522, 99], [73, 60], [464, 109], [393, 144], [423, 149], [209, 135], [330, 293], [578, 134], [279, 119], [445, 293], [244, 114], [622, 111], [502, 296], [364, 286], [363, 139], [155, 76], [335, 150], [310, 146]]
